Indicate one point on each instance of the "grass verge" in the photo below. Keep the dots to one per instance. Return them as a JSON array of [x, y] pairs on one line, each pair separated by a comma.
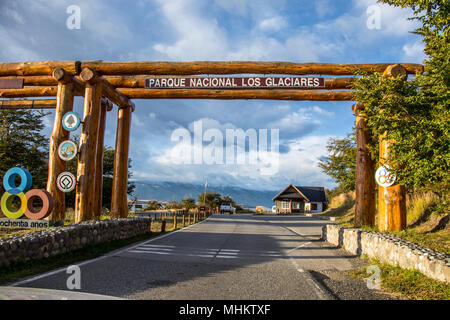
[[411, 284]]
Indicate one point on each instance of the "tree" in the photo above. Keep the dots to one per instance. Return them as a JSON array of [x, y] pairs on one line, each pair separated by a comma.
[[213, 199], [174, 205], [153, 205], [415, 113], [340, 164], [108, 170], [188, 203], [23, 145]]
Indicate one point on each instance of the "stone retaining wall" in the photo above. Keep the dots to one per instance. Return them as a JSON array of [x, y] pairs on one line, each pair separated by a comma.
[[390, 249], [55, 241]]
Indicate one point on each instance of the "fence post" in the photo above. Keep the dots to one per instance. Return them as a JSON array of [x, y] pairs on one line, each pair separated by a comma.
[[163, 226], [175, 222], [184, 220]]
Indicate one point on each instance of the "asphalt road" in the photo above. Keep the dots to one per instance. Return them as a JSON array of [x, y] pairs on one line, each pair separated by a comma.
[[224, 257]]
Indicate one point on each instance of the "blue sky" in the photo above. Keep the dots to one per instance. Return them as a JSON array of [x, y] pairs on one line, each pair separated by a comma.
[[190, 30]]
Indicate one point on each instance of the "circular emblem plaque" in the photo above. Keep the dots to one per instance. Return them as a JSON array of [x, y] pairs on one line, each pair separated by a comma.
[[67, 150], [66, 182], [384, 177], [71, 121]]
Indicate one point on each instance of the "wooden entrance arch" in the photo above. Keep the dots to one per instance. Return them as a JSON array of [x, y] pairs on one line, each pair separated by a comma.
[[105, 83]]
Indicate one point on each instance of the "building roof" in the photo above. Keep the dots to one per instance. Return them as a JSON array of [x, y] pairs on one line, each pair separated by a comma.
[[314, 194], [310, 194]]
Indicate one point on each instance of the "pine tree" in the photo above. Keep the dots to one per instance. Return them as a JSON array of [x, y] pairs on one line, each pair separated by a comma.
[[23, 145]]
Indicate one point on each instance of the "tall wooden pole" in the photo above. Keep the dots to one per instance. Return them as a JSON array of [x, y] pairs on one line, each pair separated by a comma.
[[56, 165], [85, 195], [365, 170], [119, 206], [391, 200], [99, 163]]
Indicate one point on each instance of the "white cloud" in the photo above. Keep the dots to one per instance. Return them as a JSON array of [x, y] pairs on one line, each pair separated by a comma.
[[299, 165], [323, 7], [197, 37], [273, 24], [16, 16], [414, 52], [135, 121]]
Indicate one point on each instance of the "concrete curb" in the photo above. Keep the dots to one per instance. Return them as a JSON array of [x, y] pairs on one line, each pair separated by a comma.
[[390, 249]]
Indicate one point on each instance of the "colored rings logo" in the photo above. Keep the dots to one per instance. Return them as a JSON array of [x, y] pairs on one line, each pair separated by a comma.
[[26, 199], [384, 177]]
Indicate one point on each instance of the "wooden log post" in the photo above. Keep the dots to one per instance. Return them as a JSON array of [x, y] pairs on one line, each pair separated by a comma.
[[391, 200], [105, 105], [183, 221], [56, 165], [86, 198], [365, 187], [119, 207], [175, 221]]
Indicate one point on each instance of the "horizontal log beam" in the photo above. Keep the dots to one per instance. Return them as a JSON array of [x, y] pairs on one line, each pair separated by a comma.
[[236, 67], [261, 94], [28, 104], [35, 80], [37, 68], [29, 92]]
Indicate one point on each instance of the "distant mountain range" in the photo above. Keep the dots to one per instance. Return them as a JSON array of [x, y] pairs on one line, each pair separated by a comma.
[[169, 191]]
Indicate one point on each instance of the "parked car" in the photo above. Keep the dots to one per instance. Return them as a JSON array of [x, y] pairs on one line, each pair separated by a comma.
[[227, 207]]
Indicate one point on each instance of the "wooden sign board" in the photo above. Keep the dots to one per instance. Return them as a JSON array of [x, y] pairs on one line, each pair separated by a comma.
[[235, 83], [11, 83]]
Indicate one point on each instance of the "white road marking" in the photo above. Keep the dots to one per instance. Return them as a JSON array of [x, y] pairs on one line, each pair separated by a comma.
[[156, 246], [152, 249], [152, 252], [302, 245]]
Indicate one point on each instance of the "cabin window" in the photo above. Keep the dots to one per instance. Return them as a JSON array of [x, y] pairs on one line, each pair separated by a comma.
[[295, 205], [313, 206], [285, 205]]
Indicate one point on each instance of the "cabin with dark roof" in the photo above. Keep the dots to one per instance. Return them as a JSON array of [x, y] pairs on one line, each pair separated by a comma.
[[298, 199]]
